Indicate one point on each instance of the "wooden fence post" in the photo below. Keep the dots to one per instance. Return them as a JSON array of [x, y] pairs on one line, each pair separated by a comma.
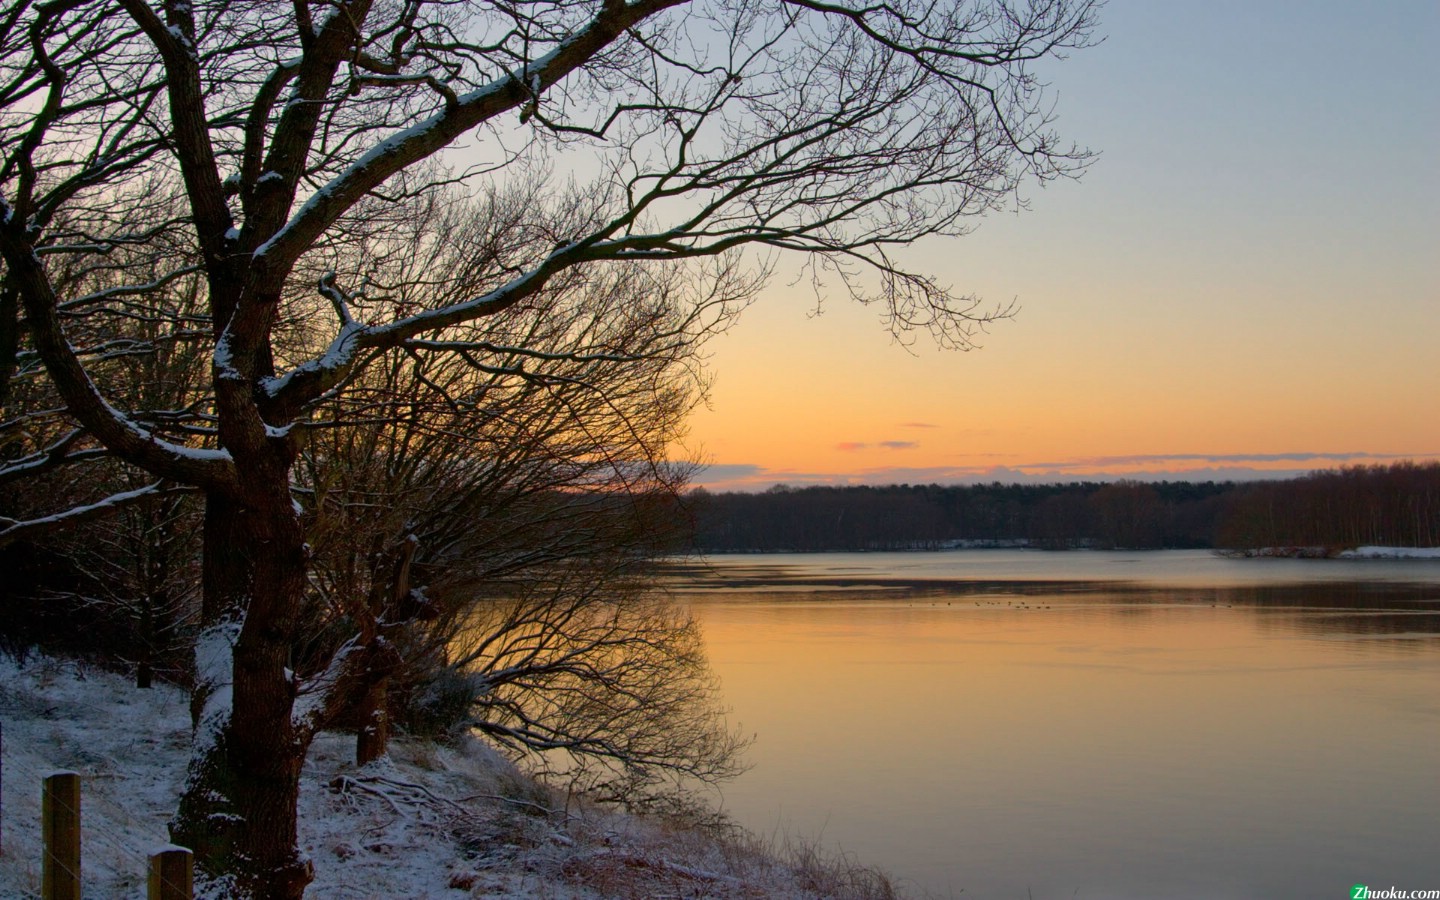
[[60, 811], [171, 874]]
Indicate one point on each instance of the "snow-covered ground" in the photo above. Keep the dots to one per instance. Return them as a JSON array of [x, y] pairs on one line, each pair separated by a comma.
[[427, 822], [1322, 552], [1391, 553]]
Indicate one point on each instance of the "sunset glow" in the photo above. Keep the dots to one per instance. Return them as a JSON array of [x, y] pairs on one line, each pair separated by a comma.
[[1244, 282]]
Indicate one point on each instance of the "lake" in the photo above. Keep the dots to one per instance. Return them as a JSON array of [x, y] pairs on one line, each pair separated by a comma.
[[1017, 724]]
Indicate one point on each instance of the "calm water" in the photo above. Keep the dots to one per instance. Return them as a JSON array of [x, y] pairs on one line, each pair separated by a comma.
[[1095, 725]]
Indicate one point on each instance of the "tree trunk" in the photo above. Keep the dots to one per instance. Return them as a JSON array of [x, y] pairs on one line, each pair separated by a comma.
[[238, 812], [373, 737], [9, 337], [387, 595], [144, 668]]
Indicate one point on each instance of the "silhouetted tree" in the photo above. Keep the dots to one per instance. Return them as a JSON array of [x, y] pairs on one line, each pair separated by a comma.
[[231, 151]]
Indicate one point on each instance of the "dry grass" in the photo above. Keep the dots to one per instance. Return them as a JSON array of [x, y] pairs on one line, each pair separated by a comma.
[[841, 876]]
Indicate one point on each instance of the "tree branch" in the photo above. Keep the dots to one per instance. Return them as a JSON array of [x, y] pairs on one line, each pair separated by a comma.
[[12, 530]]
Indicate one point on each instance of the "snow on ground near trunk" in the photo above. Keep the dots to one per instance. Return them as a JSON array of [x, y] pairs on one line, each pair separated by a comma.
[[1391, 553], [427, 822]]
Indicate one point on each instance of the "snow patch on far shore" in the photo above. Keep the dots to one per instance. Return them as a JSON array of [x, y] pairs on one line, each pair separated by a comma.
[[1390, 553], [1322, 552]]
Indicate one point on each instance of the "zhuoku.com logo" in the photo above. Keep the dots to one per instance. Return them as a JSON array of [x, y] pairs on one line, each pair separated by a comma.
[[1361, 892]]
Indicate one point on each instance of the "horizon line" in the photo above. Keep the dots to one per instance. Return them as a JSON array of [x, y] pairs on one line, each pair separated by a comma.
[[750, 478]]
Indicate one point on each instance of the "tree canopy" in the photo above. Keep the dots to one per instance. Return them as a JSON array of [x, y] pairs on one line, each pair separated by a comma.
[[286, 198]]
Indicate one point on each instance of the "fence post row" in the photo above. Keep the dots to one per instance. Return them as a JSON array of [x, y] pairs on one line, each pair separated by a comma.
[[172, 874], [171, 869], [60, 829]]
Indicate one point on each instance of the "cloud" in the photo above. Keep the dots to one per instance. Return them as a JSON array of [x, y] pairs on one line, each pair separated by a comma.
[[1218, 467], [747, 477], [1026, 475], [1218, 459], [728, 472], [918, 425], [852, 446]]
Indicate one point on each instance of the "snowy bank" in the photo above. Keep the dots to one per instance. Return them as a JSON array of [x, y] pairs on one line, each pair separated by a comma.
[[1390, 553], [1319, 552], [427, 822]]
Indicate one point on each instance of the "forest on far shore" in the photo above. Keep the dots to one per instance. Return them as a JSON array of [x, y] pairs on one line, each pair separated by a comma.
[[1391, 505]]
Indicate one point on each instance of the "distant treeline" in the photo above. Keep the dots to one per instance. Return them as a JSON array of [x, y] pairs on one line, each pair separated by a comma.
[[1397, 505]]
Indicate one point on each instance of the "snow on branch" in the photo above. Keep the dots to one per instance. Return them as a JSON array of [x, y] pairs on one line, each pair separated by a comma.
[[432, 134], [129, 290], [578, 356], [12, 530]]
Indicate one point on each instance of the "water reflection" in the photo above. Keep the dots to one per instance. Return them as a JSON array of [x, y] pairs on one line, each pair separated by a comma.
[[1057, 736], [1322, 607], [1177, 568]]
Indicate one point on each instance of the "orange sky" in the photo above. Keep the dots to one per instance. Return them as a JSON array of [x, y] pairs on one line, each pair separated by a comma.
[[1247, 278]]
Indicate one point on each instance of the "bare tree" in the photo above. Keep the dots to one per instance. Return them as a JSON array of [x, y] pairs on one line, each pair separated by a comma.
[[124, 542], [837, 132], [440, 490], [126, 588]]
